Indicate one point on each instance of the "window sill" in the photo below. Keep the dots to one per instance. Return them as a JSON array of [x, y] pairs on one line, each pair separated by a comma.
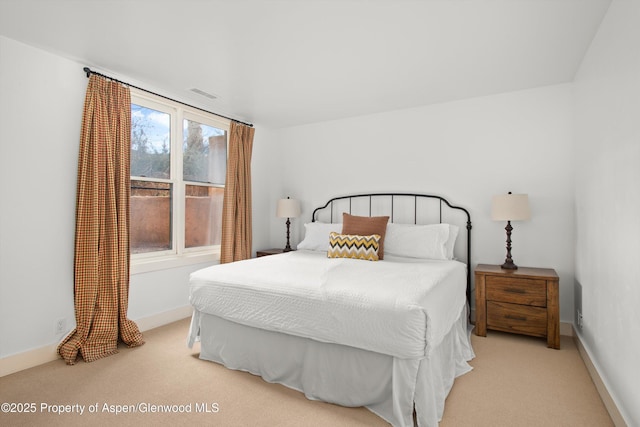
[[147, 265]]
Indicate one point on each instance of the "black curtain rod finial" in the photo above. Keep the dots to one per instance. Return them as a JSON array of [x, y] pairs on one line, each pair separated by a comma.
[[87, 70]]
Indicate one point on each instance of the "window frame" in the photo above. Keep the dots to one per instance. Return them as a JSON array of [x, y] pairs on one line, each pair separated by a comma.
[[178, 255]]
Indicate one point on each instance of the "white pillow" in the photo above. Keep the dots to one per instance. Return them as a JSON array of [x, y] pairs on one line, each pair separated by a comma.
[[316, 235], [433, 241], [451, 241]]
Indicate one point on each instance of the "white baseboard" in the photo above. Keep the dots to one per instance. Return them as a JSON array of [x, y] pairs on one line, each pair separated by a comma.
[[609, 403], [161, 319], [28, 359], [48, 353], [566, 329]]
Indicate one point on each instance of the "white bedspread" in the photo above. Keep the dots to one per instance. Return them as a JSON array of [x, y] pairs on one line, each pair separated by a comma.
[[396, 306]]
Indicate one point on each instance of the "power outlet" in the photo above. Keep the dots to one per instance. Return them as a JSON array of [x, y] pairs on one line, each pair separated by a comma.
[[577, 303], [580, 323], [61, 326]]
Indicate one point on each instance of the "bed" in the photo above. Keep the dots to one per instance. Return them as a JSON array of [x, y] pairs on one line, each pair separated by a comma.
[[389, 333]]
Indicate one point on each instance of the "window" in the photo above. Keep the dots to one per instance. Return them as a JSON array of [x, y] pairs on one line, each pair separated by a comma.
[[178, 169]]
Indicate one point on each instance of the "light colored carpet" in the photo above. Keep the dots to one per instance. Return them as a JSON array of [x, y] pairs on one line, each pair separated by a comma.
[[516, 381]]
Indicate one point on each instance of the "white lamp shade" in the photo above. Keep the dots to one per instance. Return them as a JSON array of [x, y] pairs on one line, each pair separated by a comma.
[[288, 208], [510, 207]]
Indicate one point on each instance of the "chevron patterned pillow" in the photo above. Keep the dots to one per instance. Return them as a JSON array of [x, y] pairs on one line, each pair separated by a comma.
[[353, 246]]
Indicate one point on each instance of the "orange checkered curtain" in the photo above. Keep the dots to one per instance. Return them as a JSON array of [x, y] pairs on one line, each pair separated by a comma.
[[236, 209], [101, 264]]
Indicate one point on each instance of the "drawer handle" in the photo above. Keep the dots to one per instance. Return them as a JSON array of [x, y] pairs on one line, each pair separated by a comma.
[[512, 317]]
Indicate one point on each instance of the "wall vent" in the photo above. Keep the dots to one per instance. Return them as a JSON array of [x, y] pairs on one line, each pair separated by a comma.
[[203, 93]]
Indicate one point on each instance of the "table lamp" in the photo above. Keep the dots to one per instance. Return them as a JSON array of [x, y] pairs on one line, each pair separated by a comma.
[[510, 207], [288, 208]]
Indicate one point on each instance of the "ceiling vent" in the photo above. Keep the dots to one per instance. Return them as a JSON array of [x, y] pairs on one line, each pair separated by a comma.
[[203, 93]]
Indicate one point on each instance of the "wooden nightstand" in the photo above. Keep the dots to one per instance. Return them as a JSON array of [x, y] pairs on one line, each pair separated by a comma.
[[266, 252], [522, 301]]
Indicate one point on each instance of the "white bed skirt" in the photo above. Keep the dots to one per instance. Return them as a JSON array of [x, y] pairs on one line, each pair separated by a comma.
[[347, 376]]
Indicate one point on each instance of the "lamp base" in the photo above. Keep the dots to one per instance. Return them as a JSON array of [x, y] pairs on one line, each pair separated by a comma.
[[508, 262], [288, 247], [509, 265]]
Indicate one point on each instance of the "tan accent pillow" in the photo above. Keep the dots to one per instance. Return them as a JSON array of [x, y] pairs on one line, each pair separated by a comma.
[[366, 226]]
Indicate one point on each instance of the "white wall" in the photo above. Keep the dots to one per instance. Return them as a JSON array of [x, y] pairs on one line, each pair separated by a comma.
[[41, 101], [466, 151], [265, 182], [608, 203]]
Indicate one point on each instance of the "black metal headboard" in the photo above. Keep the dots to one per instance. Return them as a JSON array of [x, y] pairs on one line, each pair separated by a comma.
[[376, 204]]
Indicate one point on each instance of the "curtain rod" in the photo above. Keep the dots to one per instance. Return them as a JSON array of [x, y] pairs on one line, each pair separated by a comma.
[[89, 71]]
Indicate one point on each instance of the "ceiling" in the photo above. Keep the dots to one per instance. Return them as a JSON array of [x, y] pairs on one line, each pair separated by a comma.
[[287, 62]]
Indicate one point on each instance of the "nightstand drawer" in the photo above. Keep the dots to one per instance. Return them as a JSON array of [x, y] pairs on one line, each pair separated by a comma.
[[517, 291], [517, 318]]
